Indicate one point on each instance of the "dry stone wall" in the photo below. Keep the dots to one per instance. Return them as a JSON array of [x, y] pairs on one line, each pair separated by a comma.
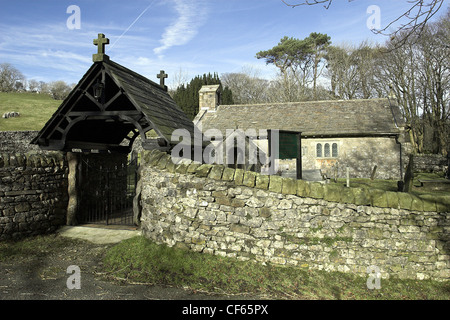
[[18, 142], [229, 212], [434, 163], [33, 194]]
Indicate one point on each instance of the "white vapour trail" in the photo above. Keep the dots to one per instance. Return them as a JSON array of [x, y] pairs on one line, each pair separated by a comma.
[[132, 24], [192, 15]]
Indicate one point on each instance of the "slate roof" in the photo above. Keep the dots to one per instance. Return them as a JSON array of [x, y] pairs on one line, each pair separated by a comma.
[[152, 100], [132, 100], [333, 118]]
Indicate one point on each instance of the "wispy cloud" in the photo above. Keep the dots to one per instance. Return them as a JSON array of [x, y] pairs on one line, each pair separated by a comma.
[[192, 15]]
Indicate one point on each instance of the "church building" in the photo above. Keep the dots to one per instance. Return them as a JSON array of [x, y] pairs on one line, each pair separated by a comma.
[[368, 136]]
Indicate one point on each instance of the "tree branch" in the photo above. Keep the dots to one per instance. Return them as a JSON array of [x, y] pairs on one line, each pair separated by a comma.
[[419, 14]]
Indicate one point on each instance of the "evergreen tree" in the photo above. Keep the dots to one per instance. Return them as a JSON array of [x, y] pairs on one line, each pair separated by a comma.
[[186, 97]]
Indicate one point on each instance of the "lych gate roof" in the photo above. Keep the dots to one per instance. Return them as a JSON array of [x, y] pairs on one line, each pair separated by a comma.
[[152, 100], [313, 119], [130, 105]]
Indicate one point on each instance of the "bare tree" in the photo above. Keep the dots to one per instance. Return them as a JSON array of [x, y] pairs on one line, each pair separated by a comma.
[[33, 85], [178, 79], [59, 90], [288, 87], [413, 20], [351, 70], [434, 82], [342, 71], [247, 86], [44, 88], [419, 73], [10, 77]]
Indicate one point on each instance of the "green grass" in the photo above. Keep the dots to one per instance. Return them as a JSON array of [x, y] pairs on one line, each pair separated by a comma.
[[391, 185], [140, 260], [35, 110]]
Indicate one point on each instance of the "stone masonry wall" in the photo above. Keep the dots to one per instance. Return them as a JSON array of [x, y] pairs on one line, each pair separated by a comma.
[[33, 194], [18, 142], [430, 163], [359, 154], [229, 212]]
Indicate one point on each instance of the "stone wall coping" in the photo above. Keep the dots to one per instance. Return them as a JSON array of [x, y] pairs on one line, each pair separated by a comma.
[[31, 159], [301, 188]]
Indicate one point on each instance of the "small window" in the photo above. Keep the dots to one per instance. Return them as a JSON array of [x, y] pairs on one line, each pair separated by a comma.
[[327, 150], [334, 150], [319, 150]]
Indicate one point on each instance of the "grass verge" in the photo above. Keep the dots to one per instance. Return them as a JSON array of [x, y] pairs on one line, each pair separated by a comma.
[[140, 260]]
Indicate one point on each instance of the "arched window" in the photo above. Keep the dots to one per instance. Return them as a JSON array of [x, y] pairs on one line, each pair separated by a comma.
[[319, 150], [327, 150], [334, 150]]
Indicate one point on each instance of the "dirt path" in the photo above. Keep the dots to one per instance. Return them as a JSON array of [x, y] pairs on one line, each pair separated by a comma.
[[43, 276]]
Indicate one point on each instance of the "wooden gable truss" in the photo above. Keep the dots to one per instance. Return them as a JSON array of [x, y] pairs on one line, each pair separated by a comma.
[[108, 109]]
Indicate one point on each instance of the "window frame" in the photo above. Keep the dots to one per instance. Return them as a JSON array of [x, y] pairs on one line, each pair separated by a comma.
[[319, 148], [321, 151]]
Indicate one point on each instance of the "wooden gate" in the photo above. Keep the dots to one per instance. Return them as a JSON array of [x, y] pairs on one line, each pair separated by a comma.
[[107, 186]]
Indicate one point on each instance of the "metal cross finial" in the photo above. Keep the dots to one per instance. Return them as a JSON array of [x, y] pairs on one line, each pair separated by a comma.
[[101, 41], [161, 76]]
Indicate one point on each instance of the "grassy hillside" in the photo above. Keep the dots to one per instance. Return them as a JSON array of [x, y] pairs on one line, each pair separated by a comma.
[[35, 110]]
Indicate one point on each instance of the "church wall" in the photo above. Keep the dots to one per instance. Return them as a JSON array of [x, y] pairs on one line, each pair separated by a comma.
[[359, 154], [271, 219]]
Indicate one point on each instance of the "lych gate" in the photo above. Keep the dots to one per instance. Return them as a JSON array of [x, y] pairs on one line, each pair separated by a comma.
[[97, 124]]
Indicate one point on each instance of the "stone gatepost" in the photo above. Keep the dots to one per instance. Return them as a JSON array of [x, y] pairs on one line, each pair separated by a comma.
[[72, 207]]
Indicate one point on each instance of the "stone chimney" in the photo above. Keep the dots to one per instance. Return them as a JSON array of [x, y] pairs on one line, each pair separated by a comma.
[[209, 98]]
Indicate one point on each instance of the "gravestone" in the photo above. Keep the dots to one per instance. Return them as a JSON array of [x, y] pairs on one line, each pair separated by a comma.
[[409, 175], [374, 171], [312, 175]]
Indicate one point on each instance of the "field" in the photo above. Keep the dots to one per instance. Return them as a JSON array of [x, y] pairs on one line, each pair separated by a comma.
[[35, 110]]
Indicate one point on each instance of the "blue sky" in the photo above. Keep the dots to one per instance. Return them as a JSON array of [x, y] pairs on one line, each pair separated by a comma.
[[190, 37]]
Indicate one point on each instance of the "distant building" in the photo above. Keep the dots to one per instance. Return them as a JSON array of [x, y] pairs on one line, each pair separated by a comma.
[[360, 134]]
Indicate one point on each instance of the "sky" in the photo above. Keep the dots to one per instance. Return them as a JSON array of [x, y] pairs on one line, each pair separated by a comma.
[[49, 40]]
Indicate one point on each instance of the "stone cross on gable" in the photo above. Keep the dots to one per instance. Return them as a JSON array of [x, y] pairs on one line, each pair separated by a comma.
[[161, 76], [101, 41]]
